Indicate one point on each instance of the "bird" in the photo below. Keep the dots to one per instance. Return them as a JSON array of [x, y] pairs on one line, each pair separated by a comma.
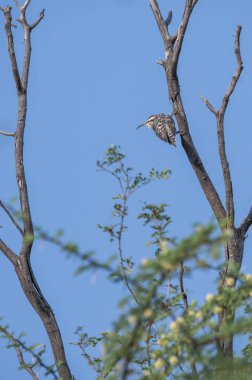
[[163, 126]]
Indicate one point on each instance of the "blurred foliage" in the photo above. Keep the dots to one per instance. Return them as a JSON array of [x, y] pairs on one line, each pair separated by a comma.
[[159, 333], [30, 356]]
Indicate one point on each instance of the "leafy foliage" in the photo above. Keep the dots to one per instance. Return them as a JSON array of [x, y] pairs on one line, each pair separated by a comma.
[[160, 333]]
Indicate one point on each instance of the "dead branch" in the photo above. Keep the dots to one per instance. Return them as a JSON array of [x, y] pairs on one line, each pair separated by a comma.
[[22, 263], [247, 222], [40, 18], [220, 131], [234, 246], [11, 134], [209, 105], [172, 51], [220, 114], [12, 54]]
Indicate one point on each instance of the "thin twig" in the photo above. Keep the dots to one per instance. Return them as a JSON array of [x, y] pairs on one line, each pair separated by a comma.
[[18, 344], [12, 54], [209, 105], [17, 4], [246, 223], [11, 134], [40, 18], [22, 362], [148, 354], [120, 233], [186, 305], [8, 252], [181, 30], [12, 218], [181, 284]]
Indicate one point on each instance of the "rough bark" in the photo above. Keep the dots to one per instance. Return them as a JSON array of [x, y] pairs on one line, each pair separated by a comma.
[[234, 245]]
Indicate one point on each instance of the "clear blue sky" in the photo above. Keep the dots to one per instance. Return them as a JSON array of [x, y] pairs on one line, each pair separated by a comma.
[[93, 80]]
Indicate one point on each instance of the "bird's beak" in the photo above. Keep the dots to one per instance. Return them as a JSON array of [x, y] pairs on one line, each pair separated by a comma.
[[141, 125]]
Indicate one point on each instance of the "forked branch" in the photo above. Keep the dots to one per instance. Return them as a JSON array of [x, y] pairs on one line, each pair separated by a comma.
[[172, 52], [220, 114], [22, 262]]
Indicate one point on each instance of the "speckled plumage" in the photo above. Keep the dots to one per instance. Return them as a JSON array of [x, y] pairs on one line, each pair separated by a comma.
[[163, 126]]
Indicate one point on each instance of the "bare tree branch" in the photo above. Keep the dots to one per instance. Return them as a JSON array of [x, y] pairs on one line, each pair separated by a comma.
[[186, 306], [170, 66], [181, 285], [209, 105], [181, 30], [234, 246], [17, 4], [161, 23], [220, 114], [220, 131], [8, 252], [22, 263], [20, 347], [11, 134], [246, 223], [22, 362], [40, 18], [12, 218], [12, 54], [168, 19]]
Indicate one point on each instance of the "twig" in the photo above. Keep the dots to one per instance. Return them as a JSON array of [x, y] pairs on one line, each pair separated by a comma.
[[161, 23], [120, 233], [184, 297], [8, 252], [12, 54], [209, 105], [181, 285], [181, 30], [40, 18], [168, 19], [246, 223], [18, 345], [22, 263], [17, 4], [22, 362], [12, 134], [148, 354], [220, 131], [11, 218]]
